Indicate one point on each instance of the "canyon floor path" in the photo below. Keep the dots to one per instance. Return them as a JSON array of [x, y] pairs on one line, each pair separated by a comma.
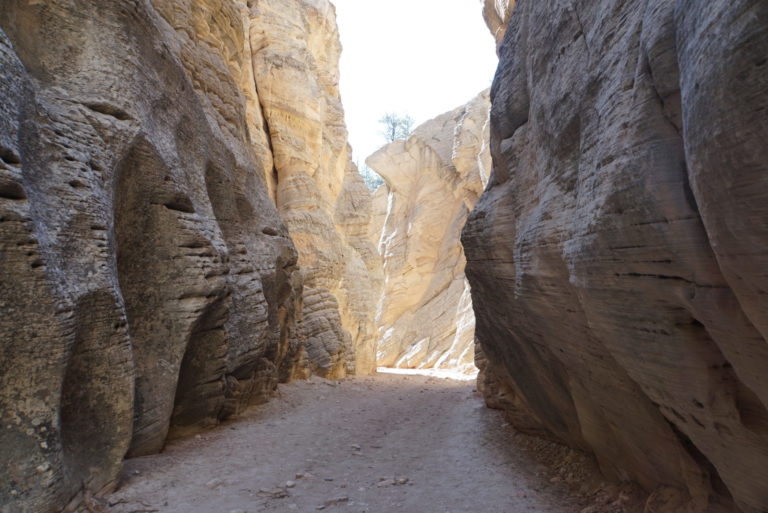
[[388, 443]]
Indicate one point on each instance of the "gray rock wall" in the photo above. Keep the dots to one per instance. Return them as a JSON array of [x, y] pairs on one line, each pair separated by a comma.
[[148, 287], [617, 258]]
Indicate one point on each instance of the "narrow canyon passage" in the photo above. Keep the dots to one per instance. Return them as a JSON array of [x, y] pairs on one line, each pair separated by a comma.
[[198, 278], [349, 446]]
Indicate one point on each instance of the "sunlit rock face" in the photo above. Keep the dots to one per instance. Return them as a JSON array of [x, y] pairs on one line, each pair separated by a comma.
[[433, 179], [149, 287], [497, 14], [320, 195], [617, 258]]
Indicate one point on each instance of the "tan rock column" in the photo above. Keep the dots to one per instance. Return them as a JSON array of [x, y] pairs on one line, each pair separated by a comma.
[[433, 179]]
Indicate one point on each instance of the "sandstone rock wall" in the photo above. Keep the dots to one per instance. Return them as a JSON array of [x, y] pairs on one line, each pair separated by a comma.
[[321, 196], [432, 180], [617, 258], [497, 14], [148, 286]]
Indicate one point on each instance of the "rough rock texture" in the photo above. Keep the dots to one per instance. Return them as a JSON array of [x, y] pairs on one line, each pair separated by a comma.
[[617, 258], [497, 14], [321, 196], [148, 287], [432, 180]]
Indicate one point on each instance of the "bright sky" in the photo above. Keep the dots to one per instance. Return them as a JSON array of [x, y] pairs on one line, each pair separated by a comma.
[[415, 57]]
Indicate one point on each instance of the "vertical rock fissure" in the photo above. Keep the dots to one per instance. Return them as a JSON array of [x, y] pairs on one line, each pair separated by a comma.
[[265, 120]]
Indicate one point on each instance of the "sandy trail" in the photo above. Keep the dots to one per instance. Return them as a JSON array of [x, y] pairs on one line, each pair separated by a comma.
[[355, 442]]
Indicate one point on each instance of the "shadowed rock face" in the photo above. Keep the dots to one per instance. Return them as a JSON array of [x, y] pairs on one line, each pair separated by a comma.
[[148, 285], [617, 258], [432, 180]]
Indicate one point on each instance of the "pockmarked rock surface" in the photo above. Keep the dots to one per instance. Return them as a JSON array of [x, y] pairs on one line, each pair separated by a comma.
[[320, 195], [432, 181], [617, 258], [149, 287]]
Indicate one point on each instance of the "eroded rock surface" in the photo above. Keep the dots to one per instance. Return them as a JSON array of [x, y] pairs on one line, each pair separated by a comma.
[[149, 287], [321, 196], [617, 258], [432, 180], [497, 14]]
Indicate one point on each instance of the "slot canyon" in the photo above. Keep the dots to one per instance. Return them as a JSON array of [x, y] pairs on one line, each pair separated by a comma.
[[553, 303]]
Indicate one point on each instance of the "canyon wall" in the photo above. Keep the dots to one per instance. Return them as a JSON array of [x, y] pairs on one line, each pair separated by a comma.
[[496, 14], [432, 180], [149, 286], [320, 195], [617, 258]]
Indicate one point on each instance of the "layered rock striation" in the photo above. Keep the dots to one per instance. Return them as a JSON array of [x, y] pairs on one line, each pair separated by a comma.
[[496, 14], [320, 195], [149, 287], [432, 180], [617, 258]]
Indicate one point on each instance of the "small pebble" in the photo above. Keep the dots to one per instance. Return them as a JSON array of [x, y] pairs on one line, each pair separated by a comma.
[[337, 500], [213, 483], [290, 484]]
